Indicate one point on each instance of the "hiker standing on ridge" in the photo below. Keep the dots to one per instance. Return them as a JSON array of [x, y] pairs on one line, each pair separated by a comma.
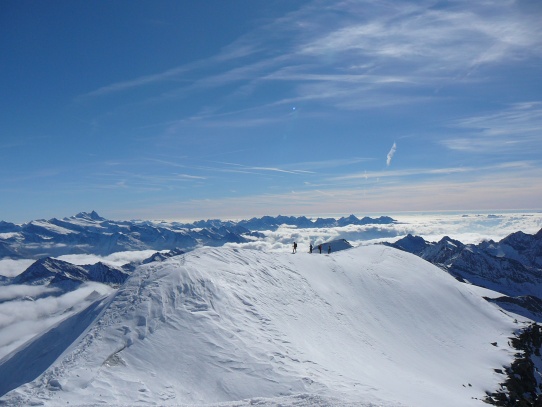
[[310, 248], [295, 248], [320, 248], [329, 249]]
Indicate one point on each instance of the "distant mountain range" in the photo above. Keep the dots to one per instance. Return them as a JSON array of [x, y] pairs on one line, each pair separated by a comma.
[[272, 223], [90, 233], [512, 266]]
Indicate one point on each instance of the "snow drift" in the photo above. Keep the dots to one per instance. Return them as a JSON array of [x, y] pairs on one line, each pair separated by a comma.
[[368, 326]]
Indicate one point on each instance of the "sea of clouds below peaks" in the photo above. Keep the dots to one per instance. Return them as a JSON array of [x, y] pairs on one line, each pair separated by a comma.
[[26, 311], [471, 228]]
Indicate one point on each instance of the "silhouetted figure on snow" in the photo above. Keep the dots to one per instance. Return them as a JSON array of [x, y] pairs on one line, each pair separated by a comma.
[[295, 248], [310, 248], [329, 249], [320, 248]]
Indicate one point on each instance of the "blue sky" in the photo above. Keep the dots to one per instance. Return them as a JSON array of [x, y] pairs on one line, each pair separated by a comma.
[[233, 109]]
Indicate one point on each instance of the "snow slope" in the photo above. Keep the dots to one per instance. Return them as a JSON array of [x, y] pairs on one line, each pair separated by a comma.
[[367, 326]]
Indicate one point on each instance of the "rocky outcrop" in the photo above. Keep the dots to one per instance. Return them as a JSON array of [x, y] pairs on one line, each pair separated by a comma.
[[523, 386]]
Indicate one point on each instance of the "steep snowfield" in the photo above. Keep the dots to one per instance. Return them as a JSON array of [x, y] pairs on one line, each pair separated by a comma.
[[370, 326]]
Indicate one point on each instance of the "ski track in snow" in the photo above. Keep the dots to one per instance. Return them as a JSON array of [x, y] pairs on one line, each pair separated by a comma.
[[370, 326]]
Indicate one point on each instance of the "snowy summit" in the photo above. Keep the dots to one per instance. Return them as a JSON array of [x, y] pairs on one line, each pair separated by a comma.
[[368, 326]]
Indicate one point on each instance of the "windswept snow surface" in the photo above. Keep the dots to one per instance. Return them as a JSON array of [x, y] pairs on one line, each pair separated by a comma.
[[369, 326]]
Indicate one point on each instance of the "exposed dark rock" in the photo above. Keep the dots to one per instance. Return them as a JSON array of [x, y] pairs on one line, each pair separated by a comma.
[[523, 385], [161, 256], [412, 244]]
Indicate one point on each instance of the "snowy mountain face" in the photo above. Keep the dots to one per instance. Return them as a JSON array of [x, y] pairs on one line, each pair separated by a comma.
[[368, 326], [512, 266], [90, 233], [54, 272], [230, 326]]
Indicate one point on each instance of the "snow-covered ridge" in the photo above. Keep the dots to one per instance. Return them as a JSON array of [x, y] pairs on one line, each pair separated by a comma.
[[369, 326]]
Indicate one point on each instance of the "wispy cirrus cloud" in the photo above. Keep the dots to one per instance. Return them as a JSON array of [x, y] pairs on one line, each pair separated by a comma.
[[482, 189], [190, 177], [170, 74], [242, 167], [428, 172], [377, 45], [517, 127], [147, 175], [452, 36]]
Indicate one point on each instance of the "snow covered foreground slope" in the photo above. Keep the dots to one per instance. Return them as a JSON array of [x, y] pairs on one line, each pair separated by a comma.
[[366, 326]]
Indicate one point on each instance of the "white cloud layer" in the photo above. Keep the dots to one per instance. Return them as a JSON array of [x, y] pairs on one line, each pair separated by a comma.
[[14, 291], [12, 268], [117, 259], [22, 317], [467, 227]]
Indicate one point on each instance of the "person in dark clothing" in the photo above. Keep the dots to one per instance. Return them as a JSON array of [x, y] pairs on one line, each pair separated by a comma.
[[329, 249], [320, 248], [310, 248], [295, 248]]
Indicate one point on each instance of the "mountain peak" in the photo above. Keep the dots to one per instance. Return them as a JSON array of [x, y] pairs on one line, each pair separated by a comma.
[[447, 240], [44, 270], [350, 220], [273, 333], [412, 244], [89, 216]]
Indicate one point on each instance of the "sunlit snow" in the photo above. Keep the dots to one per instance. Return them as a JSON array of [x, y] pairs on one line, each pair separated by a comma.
[[369, 326]]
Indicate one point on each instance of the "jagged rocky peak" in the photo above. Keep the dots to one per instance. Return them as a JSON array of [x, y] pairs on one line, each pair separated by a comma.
[[350, 220], [6, 227], [521, 241], [161, 256], [45, 269], [89, 216], [412, 244], [53, 271], [106, 274], [386, 219], [448, 241], [47, 263]]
